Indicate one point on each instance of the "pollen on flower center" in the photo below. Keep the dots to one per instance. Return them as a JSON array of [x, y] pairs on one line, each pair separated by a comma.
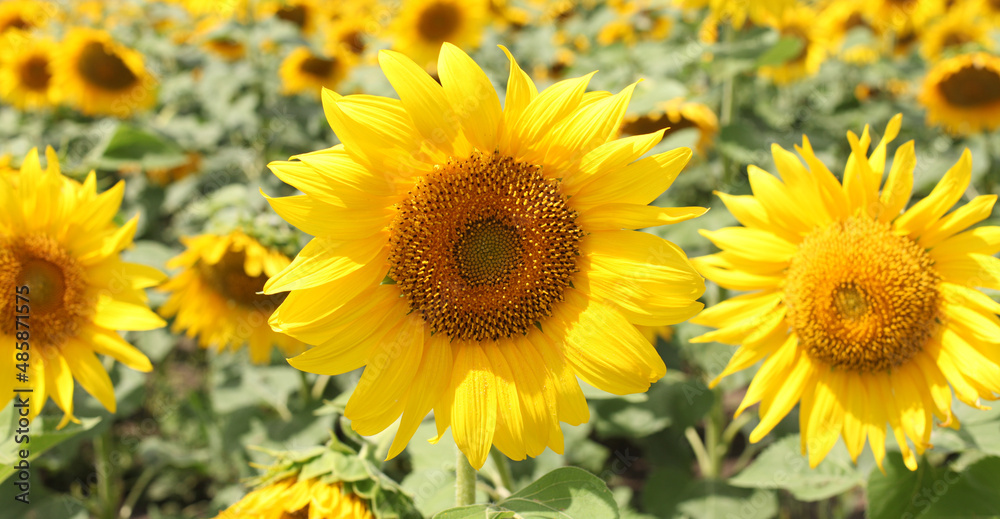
[[860, 297], [57, 290], [105, 69], [483, 247], [229, 279]]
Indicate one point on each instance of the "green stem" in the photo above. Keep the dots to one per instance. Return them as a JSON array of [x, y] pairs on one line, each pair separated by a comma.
[[106, 490], [136, 492], [465, 481], [503, 469], [699, 450], [714, 443]]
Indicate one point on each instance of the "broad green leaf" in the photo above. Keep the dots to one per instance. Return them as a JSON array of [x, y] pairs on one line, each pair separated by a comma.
[[133, 147], [897, 492], [41, 436], [782, 465], [564, 493], [934, 492], [974, 491], [787, 48]]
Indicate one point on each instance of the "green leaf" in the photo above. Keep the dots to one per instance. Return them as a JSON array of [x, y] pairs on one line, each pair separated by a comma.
[[782, 465], [42, 436], [934, 492], [787, 48], [132, 147], [564, 493]]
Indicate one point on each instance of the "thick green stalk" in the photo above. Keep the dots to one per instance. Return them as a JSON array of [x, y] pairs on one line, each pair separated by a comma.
[[465, 481]]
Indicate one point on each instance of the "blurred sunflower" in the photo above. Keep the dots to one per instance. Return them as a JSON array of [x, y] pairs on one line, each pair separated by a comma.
[[838, 20], [303, 71], [799, 22], [901, 16], [962, 26], [216, 295], [164, 176], [963, 93], [348, 35], [304, 14], [861, 314], [673, 116], [59, 238], [617, 30], [24, 15], [423, 25], [99, 76], [305, 498], [26, 75], [483, 308]]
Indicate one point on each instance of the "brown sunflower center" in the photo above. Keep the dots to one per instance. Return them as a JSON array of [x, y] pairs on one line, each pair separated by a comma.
[[655, 122], [317, 67], [954, 39], [484, 247], [58, 303], [971, 86], [439, 21], [35, 74], [229, 279], [355, 41], [295, 14], [103, 68], [15, 23], [860, 297]]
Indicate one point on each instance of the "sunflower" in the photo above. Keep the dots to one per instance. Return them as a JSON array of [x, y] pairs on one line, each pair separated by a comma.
[[673, 116], [963, 93], [423, 25], [961, 27], [482, 308], [903, 15], [101, 77], [24, 15], [838, 20], [303, 71], [799, 22], [298, 498], [58, 238], [862, 313], [216, 295], [26, 75], [303, 14]]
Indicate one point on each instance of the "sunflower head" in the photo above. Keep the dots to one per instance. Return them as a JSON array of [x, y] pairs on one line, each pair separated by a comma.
[[58, 239], [673, 116], [963, 93], [864, 314], [476, 258], [303, 71], [423, 25], [962, 27], [102, 77], [799, 22], [26, 75], [216, 296]]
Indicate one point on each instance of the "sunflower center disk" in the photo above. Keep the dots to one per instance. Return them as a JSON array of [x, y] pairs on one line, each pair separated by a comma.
[[58, 302], [317, 67], [971, 86], [35, 74], [229, 279], [483, 247], [439, 21], [860, 297], [105, 69]]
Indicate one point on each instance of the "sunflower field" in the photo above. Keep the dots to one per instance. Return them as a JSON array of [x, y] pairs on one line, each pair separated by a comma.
[[300, 259]]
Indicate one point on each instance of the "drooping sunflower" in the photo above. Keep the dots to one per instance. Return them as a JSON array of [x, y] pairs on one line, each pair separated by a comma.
[[58, 238], [99, 76], [26, 75], [304, 71], [673, 116], [215, 297], [799, 22], [963, 93], [293, 497], [475, 260], [862, 313], [423, 25], [961, 27]]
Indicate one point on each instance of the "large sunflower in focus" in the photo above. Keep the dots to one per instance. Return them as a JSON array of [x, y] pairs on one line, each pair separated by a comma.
[[476, 260], [963, 93], [861, 312], [216, 295], [423, 25], [26, 75], [101, 77], [58, 238]]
